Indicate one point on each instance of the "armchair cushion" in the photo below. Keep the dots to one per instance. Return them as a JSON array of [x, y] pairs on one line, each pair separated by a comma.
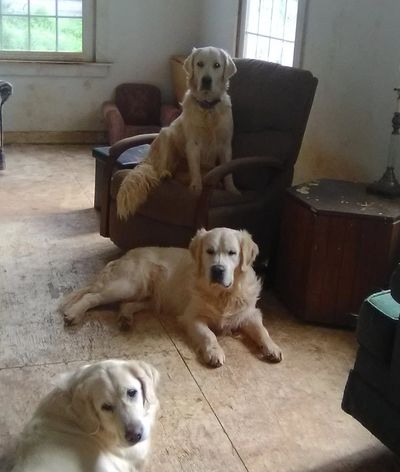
[[131, 130]]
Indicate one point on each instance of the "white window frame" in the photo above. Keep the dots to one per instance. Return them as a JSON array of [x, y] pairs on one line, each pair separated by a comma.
[[88, 41], [300, 28]]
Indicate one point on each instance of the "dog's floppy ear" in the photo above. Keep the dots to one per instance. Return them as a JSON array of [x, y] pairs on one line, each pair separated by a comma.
[[188, 65], [195, 247], [79, 387], [148, 377], [248, 250], [229, 67]]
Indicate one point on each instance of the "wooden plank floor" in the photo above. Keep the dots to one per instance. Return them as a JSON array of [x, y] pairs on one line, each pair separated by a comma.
[[245, 416]]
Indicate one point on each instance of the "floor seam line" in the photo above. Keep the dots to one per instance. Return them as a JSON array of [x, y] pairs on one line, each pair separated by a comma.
[[205, 398], [69, 361], [83, 189]]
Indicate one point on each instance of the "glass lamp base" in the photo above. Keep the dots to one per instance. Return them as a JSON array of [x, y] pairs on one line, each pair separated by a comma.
[[387, 186]]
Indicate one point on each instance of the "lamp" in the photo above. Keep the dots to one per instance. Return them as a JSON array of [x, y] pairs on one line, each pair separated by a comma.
[[388, 186]]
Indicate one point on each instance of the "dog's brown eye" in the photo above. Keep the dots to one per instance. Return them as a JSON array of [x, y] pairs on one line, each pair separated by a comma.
[[210, 250], [200, 64], [217, 65], [131, 393], [232, 253], [107, 407]]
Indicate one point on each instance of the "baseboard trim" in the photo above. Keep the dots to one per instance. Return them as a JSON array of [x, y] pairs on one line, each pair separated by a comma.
[[55, 137]]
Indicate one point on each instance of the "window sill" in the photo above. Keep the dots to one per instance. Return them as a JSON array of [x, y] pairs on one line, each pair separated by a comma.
[[26, 68]]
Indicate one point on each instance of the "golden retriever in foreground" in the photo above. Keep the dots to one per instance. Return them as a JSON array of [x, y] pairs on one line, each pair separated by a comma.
[[97, 419], [197, 140], [212, 287]]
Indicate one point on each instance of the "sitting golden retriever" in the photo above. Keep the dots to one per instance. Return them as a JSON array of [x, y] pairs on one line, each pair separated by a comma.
[[197, 140], [211, 286], [97, 419]]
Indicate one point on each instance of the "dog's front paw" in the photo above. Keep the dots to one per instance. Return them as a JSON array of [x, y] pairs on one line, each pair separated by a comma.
[[230, 186], [196, 187], [71, 318], [165, 174], [125, 322], [271, 352], [233, 189], [213, 355]]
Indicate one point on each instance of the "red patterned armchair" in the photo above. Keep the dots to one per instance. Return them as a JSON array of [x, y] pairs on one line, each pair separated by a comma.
[[136, 109]]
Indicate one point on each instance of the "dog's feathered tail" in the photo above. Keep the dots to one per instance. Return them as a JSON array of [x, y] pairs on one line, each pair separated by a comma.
[[136, 187]]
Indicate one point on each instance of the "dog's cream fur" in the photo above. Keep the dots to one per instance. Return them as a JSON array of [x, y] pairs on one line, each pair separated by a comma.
[[72, 432], [182, 282], [196, 141]]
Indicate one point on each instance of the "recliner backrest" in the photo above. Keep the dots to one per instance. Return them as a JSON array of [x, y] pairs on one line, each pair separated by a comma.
[[270, 105], [270, 96]]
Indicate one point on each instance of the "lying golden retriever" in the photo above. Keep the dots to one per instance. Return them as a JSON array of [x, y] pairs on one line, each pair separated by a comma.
[[197, 140], [211, 287], [97, 419]]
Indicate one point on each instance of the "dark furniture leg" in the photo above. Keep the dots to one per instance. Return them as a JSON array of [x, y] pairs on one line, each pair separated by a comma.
[[5, 92]]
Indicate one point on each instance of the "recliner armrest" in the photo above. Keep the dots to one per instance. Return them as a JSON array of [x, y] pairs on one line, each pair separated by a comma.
[[119, 147], [212, 178], [109, 107], [115, 151]]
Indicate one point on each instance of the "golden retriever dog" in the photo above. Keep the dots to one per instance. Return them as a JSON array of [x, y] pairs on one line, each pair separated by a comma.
[[212, 287], [196, 141], [97, 419]]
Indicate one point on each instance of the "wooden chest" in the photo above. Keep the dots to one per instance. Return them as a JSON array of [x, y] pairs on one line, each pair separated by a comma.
[[338, 245]]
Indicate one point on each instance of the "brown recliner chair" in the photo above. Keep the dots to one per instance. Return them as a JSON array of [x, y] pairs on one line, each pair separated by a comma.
[[270, 105], [136, 109]]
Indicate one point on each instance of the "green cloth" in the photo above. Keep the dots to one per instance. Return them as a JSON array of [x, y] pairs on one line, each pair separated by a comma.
[[386, 304]]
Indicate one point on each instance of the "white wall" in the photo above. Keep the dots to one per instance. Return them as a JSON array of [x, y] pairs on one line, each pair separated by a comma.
[[219, 24], [137, 36], [352, 46]]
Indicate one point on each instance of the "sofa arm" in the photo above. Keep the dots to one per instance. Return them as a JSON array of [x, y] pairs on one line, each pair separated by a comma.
[[168, 114], [395, 364], [395, 284], [212, 178], [115, 151], [114, 122]]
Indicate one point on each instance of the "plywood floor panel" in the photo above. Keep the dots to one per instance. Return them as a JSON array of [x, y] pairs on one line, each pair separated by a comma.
[[185, 428], [247, 415]]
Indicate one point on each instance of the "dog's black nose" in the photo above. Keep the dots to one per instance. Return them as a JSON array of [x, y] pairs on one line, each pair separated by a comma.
[[206, 82], [134, 434], [217, 273]]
